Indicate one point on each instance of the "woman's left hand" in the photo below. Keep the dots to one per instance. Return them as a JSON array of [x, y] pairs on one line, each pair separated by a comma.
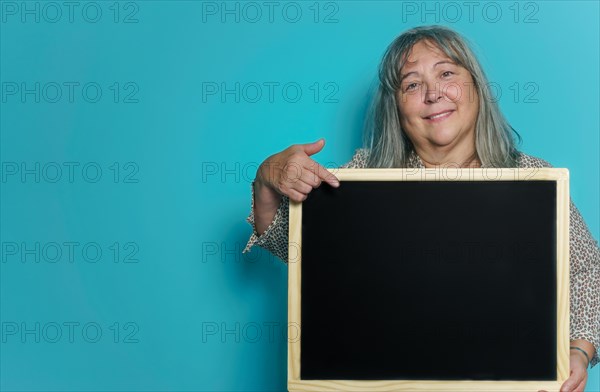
[[579, 374]]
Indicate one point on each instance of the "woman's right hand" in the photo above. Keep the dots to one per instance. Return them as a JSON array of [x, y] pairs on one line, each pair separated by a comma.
[[293, 173]]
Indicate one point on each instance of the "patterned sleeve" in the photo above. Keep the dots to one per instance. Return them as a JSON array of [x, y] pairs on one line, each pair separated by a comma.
[[585, 283], [275, 237], [584, 256]]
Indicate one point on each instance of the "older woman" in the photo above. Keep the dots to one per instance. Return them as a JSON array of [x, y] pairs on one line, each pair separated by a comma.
[[432, 109]]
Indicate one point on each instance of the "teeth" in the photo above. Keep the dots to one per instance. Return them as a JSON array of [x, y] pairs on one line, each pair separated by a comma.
[[438, 115]]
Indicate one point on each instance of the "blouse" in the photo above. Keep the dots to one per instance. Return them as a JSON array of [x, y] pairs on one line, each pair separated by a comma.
[[583, 251]]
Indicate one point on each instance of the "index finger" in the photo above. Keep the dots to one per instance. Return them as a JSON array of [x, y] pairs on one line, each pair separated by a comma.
[[323, 173]]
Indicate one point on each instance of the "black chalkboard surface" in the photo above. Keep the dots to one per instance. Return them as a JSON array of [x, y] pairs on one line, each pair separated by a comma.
[[430, 280]]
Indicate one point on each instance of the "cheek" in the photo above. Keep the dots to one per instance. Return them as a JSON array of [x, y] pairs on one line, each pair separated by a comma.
[[471, 104], [454, 92], [408, 106]]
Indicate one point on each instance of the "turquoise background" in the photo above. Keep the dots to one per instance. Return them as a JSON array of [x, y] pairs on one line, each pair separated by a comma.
[[188, 311]]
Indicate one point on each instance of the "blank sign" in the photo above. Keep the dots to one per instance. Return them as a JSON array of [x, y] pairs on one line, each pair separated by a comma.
[[417, 283]]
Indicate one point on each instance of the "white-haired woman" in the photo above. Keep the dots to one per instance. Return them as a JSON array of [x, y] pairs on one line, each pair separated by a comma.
[[432, 109]]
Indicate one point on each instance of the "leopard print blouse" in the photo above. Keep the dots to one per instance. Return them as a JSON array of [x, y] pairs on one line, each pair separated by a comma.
[[584, 253]]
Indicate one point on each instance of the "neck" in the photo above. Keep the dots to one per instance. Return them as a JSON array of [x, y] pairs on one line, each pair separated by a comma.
[[463, 159]]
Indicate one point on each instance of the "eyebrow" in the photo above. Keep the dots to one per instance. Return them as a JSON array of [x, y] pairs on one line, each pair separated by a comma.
[[402, 77]]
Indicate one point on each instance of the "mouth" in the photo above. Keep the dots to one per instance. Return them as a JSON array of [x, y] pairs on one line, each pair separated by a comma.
[[439, 116]]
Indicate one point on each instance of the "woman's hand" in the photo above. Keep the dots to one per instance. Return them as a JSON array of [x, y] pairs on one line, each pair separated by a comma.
[[293, 173], [579, 374]]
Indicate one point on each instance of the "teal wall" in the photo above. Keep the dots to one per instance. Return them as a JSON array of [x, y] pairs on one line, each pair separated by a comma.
[[126, 167]]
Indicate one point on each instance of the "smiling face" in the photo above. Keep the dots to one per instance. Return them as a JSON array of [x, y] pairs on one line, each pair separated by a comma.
[[438, 104]]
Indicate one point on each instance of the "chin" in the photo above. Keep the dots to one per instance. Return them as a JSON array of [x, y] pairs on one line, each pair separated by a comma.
[[442, 139]]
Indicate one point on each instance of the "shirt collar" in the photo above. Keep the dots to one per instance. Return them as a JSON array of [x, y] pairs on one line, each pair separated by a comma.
[[414, 161]]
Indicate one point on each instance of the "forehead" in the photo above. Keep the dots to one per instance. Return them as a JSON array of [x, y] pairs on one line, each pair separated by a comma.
[[421, 52]]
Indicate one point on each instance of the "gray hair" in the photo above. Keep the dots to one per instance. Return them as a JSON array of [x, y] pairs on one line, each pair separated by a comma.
[[384, 137]]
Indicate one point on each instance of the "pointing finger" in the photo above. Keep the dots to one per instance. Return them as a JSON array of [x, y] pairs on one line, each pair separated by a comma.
[[324, 174]]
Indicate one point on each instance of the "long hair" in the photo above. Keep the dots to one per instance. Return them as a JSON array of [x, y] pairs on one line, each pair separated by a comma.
[[387, 142]]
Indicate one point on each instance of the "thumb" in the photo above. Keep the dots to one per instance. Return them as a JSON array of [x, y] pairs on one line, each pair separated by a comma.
[[313, 148]]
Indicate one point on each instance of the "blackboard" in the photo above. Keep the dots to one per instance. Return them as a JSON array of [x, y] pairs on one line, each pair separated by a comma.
[[432, 280]]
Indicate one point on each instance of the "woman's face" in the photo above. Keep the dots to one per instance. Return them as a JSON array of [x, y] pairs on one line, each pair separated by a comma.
[[434, 84]]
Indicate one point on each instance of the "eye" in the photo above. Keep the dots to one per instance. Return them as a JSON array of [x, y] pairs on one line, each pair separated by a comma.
[[447, 72], [410, 87]]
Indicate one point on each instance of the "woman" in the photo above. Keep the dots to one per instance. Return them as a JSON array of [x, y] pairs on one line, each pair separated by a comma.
[[432, 109]]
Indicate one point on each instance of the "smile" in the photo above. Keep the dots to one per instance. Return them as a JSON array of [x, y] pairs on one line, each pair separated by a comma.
[[439, 117]]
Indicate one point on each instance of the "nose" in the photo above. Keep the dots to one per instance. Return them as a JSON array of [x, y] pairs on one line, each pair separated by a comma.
[[433, 95]]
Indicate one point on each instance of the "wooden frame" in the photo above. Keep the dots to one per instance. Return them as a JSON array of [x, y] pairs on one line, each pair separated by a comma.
[[561, 176]]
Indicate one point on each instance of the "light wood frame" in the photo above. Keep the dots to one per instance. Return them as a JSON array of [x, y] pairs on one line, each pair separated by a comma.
[[561, 176]]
